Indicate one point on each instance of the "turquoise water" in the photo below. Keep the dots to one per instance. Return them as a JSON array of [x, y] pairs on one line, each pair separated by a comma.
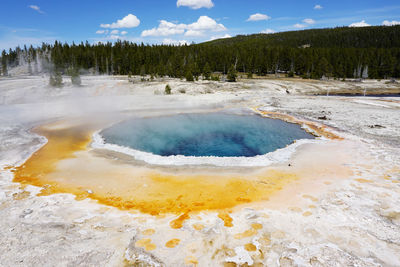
[[210, 134]]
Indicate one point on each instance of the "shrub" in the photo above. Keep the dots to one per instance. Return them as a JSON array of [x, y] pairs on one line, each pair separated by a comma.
[[215, 78], [56, 79], [167, 89], [75, 77], [189, 76], [182, 91], [232, 75]]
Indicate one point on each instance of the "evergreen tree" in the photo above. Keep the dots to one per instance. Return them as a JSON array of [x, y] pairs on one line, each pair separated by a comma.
[[207, 71], [75, 77], [196, 71], [189, 76], [4, 63], [340, 52], [56, 79], [232, 74]]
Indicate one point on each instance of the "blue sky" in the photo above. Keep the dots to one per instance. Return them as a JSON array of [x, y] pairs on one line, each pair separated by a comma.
[[173, 21]]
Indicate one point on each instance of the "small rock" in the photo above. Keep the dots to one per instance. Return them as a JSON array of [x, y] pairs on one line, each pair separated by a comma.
[[323, 118], [26, 213], [376, 126]]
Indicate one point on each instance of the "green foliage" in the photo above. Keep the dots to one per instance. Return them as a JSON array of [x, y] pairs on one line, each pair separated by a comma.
[[249, 75], [196, 71], [75, 76], [56, 79], [232, 74], [207, 71], [4, 63], [215, 78], [167, 89], [189, 76], [291, 74]]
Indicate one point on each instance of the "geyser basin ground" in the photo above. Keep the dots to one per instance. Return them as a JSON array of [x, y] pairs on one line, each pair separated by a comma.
[[205, 135], [326, 215]]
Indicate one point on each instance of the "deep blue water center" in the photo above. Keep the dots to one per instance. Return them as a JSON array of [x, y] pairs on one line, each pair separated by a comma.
[[209, 134]]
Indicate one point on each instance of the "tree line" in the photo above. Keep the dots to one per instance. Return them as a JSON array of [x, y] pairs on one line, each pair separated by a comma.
[[370, 52]]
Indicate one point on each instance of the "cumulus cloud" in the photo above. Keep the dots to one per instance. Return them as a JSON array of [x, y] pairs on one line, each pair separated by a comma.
[[359, 24], [390, 23], [318, 7], [124, 32], [165, 28], [174, 42], [198, 28], [114, 32], [258, 17], [130, 21], [194, 33], [36, 8], [268, 31], [195, 4], [309, 21], [205, 23], [299, 26], [102, 32]]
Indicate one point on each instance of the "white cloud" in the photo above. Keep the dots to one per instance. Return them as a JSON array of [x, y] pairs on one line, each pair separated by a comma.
[[166, 28], [359, 24], [101, 31], [114, 32], [258, 17], [124, 32], [175, 42], [268, 31], [195, 4], [220, 37], [114, 37], [193, 33], [299, 26], [205, 23], [309, 21], [130, 21], [36, 8], [318, 7], [390, 23]]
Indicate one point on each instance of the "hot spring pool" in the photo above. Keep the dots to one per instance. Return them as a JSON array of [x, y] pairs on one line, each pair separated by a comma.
[[205, 135]]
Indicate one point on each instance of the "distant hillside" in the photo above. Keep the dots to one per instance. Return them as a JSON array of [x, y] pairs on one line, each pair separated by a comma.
[[371, 52], [344, 37]]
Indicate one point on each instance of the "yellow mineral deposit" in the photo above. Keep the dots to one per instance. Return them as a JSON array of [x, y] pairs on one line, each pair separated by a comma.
[[198, 226], [146, 244], [223, 215], [250, 247], [311, 127], [149, 232], [172, 243], [247, 233]]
